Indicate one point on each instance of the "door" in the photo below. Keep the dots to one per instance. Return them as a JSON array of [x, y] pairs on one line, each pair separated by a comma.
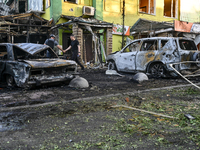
[[87, 46], [188, 52], [3, 58], [126, 59], [146, 54], [66, 42]]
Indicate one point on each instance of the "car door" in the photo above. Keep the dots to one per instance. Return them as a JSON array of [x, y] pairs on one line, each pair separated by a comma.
[[126, 60], [188, 52], [146, 54], [3, 58]]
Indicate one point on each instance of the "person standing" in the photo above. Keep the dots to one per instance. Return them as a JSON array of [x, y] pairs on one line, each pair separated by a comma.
[[75, 48], [51, 42]]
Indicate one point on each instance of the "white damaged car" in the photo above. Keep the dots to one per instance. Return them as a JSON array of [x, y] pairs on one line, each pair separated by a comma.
[[154, 56]]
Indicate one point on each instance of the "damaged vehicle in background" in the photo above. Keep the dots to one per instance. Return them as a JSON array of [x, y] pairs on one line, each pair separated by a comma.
[[154, 56], [26, 65]]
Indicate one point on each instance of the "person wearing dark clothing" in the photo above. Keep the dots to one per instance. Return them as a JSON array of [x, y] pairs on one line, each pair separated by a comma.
[[75, 48], [51, 42]]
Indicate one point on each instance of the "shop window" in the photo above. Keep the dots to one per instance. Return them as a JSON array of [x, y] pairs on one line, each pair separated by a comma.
[[147, 6], [170, 8], [72, 1]]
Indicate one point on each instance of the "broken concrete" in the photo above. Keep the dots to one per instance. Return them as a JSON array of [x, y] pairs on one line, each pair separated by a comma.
[[79, 82], [113, 72], [140, 77]]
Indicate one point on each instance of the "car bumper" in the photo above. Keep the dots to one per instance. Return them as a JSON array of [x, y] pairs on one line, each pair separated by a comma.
[[39, 80]]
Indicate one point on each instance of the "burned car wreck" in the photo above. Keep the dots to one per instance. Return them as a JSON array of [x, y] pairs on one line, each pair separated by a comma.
[[26, 65], [155, 55]]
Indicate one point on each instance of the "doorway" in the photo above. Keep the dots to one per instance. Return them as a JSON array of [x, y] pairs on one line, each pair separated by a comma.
[[66, 42], [87, 48]]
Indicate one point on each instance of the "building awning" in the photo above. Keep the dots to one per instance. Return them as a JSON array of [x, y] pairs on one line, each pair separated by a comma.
[[84, 21], [143, 25]]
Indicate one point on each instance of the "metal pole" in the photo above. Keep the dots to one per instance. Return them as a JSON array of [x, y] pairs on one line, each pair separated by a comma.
[[123, 15]]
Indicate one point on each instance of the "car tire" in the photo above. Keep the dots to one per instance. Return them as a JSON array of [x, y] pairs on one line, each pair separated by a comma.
[[111, 65], [196, 57], [10, 80], [157, 70]]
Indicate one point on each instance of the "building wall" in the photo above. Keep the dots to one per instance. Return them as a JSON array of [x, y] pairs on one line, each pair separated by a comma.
[[72, 9], [109, 11], [190, 12]]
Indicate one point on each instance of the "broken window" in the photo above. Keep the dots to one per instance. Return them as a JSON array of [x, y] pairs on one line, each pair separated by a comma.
[[35, 5], [149, 45], [22, 6], [162, 44], [187, 45], [72, 1], [132, 47], [19, 54], [3, 52], [171, 8], [147, 6]]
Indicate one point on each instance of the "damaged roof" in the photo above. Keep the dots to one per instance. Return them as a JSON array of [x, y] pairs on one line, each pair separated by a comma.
[[147, 25], [84, 21], [32, 48], [5, 10], [24, 18]]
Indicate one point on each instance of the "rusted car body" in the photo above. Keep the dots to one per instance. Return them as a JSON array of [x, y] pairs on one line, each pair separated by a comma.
[[153, 56], [26, 65]]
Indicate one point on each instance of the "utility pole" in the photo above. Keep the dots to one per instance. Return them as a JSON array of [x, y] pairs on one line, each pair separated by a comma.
[[123, 16]]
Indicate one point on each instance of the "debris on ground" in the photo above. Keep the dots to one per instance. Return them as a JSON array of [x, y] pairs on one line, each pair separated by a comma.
[[140, 77], [113, 72], [79, 82]]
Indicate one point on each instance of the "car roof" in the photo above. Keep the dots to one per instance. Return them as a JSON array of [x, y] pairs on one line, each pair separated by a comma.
[[164, 38]]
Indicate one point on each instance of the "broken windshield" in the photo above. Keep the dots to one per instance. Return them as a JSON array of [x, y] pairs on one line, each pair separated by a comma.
[[21, 54], [187, 45]]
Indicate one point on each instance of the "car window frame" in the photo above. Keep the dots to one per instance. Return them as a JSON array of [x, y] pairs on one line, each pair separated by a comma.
[[122, 51], [2, 59], [157, 45]]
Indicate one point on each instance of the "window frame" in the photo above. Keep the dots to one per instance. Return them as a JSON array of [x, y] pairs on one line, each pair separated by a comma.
[[76, 1], [176, 9], [149, 41], [128, 46], [149, 8]]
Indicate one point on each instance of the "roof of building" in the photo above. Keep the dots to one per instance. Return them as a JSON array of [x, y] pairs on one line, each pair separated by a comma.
[[148, 25], [84, 21]]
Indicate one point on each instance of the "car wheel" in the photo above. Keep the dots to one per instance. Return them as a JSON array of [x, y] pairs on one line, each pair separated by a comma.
[[197, 59], [157, 70], [10, 80], [111, 65]]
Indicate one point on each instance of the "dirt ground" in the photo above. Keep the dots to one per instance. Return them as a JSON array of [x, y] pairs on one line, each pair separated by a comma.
[[60, 117]]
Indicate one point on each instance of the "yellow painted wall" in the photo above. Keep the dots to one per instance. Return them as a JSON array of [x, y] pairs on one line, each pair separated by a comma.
[[190, 11], [46, 15], [71, 9], [112, 12]]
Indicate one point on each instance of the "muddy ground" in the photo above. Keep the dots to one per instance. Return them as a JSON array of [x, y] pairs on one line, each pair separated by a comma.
[[59, 117]]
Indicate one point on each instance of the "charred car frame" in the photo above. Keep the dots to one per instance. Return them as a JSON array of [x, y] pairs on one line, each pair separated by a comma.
[[26, 65], [154, 56]]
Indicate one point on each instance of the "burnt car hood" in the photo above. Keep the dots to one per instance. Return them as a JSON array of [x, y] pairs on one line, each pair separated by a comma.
[[49, 63], [32, 48]]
